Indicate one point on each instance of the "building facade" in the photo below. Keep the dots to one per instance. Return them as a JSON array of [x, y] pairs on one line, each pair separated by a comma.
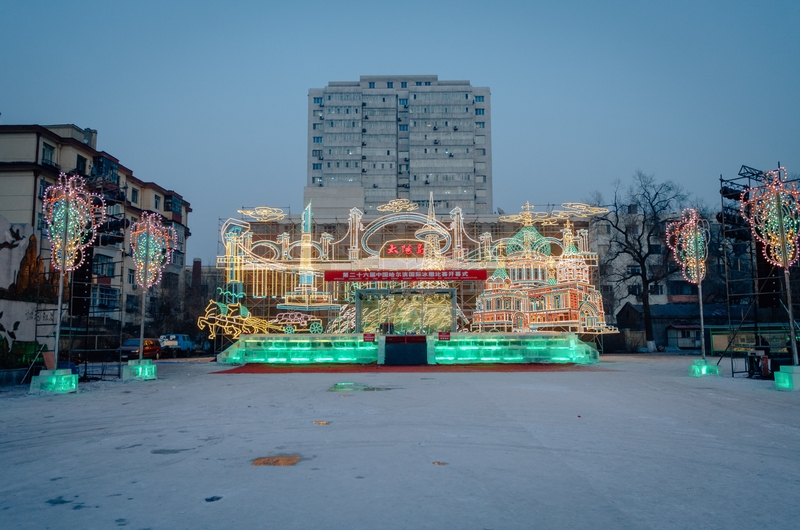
[[32, 158], [399, 137]]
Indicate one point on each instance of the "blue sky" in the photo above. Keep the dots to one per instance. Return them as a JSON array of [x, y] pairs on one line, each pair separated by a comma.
[[210, 99]]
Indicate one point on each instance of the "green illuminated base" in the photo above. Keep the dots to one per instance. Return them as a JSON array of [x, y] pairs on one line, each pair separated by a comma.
[[788, 378], [700, 367], [462, 348], [472, 348], [55, 382], [300, 349], [139, 370]]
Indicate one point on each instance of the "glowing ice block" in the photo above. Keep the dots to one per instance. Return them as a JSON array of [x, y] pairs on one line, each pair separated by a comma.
[[544, 347], [788, 378], [700, 367], [139, 370], [54, 381], [300, 349]]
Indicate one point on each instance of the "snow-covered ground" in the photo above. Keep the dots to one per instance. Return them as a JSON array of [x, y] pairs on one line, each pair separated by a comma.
[[634, 443]]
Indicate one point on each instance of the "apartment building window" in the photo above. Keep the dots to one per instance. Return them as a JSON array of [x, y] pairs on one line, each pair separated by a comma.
[[157, 202], [316, 180], [40, 221], [317, 101], [480, 124], [479, 112], [389, 84], [316, 152], [634, 269], [355, 165], [371, 84], [427, 83], [655, 248], [329, 164], [103, 265], [478, 99], [316, 167], [316, 126], [134, 196], [47, 154], [403, 84], [80, 164], [635, 289], [42, 188], [403, 127], [131, 276], [318, 139], [418, 83], [403, 101], [656, 288]]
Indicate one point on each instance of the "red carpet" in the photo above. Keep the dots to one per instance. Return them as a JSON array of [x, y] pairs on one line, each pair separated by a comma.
[[437, 368]]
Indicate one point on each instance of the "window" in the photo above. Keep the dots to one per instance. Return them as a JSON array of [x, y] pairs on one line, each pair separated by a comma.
[[42, 188], [478, 99], [634, 269], [47, 154], [103, 265], [40, 221], [479, 112], [318, 139], [131, 276], [317, 101], [389, 84], [134, 196], [635, 289], [418, 83], [427, 83], [403, 101], [403, 84], [80, 164], [106, 297], [316, 126], [388, 153], [157, 201], [355, 165], [316, 152], [656, 289], [403, 127], [655, 248], [329, 164], [480, 178], [480, 152], [316, 167], [371, 84], [480, 124], [337, 164], [347, 110]]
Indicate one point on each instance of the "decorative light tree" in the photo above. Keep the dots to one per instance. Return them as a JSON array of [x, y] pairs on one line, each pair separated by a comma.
[[152, 244], [774, 215], [688, 239], [72, 214]]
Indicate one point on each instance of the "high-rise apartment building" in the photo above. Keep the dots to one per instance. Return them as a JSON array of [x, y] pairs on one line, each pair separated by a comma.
[[399, 137]]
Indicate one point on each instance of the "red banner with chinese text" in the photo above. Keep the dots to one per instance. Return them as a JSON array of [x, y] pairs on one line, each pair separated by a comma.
[[465, 275]]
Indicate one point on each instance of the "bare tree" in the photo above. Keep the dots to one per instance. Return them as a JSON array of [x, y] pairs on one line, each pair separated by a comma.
[[637, 255]]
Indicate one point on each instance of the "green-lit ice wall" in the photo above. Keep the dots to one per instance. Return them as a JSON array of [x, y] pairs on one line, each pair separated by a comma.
[[462, 348]]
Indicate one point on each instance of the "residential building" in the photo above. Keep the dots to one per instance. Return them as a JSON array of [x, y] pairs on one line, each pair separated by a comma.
[[31, 159], [399, 137]]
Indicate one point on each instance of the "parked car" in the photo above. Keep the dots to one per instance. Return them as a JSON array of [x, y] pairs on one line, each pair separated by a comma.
[[130, 349], [175, 345]]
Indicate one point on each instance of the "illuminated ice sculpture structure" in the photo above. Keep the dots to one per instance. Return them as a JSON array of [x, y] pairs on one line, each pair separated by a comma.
[[773, 211], [550, 274], [73, 215], [688, 240], [152, 244]]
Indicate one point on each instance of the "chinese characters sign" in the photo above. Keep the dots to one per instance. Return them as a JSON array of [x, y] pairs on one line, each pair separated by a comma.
[[406, 276], [397, 250]]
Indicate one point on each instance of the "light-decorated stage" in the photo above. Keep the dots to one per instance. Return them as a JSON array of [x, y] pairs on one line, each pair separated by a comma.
[[339, 293]]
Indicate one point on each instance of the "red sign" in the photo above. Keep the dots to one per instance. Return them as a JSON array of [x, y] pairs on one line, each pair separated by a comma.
[[369, 337], [444, 335], [404, 249], [464, 275]]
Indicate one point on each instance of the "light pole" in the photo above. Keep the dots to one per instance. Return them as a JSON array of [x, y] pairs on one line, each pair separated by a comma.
[[73, 216], [772, 211], [688, 240]]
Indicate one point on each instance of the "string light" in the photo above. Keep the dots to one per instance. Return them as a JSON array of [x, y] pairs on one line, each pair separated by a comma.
[[73, 215], [772, 211], [688, 239], [152, 244]]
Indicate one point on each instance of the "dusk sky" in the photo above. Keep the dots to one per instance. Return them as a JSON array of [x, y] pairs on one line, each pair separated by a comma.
[[210, 100]]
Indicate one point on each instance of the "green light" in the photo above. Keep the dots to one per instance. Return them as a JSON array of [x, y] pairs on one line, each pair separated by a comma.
[[54, 381], [142, 370], [783, 381], [466, 348], [700, 367]]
